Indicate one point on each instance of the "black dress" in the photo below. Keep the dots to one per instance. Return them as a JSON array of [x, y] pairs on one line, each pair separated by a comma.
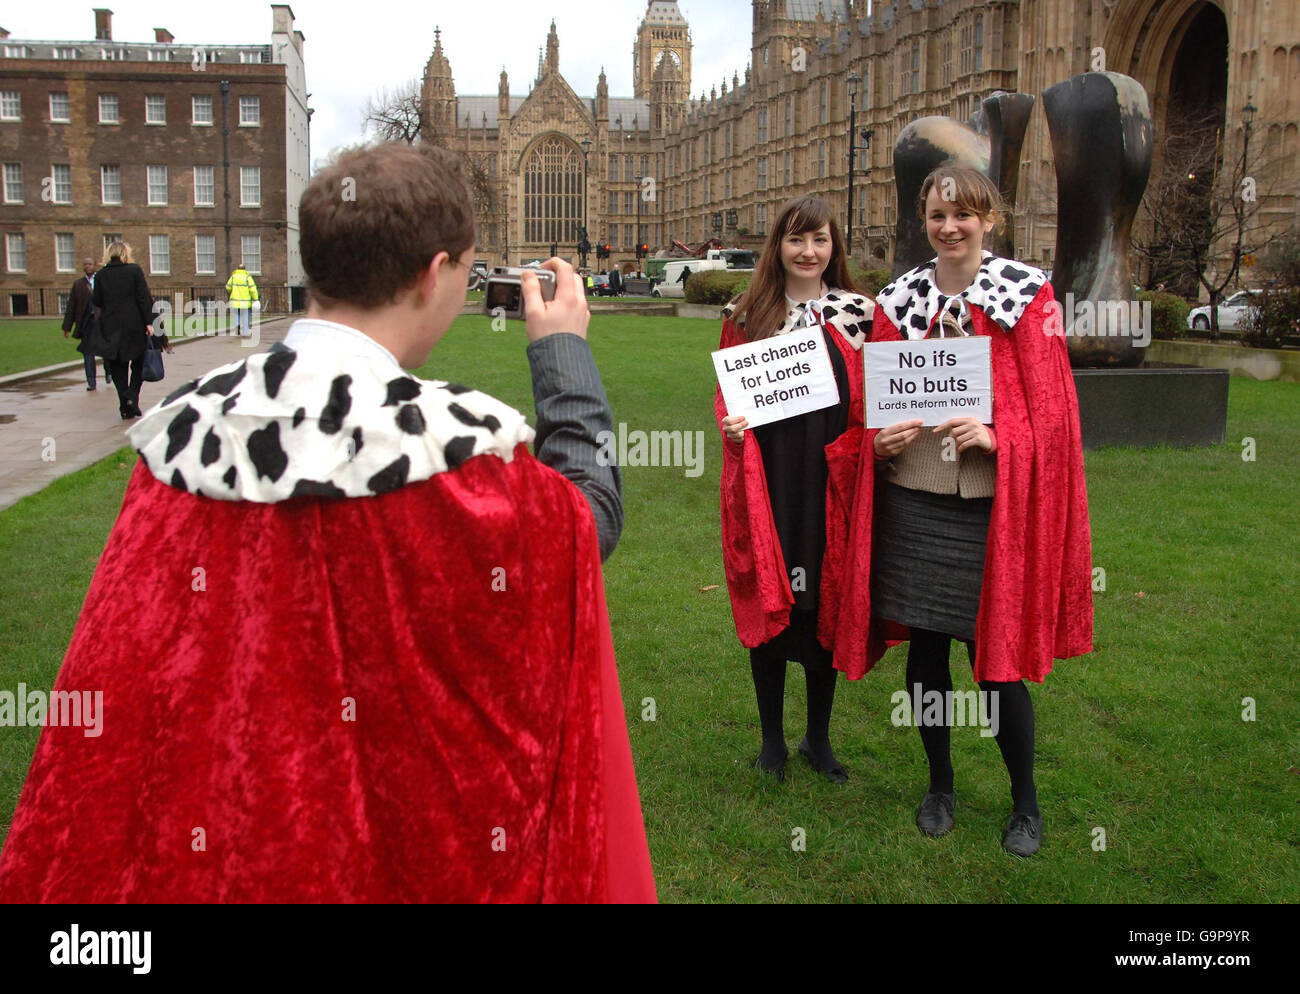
[[794, 465]]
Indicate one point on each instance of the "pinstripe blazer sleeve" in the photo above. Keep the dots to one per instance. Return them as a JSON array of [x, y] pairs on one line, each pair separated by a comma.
[[572, 413]]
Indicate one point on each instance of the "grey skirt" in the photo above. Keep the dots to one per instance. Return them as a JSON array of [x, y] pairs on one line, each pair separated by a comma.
[[927, 562]]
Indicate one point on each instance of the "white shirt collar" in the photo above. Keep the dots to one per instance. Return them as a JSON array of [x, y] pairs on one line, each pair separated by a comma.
[[314, 333]]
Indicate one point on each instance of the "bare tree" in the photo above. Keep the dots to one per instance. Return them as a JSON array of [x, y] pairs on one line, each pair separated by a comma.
[[482, 185], [1202, 206], [396, 115]]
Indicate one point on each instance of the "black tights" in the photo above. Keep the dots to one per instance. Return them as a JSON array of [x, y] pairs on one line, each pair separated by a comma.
[[768, 667], [927, 665]]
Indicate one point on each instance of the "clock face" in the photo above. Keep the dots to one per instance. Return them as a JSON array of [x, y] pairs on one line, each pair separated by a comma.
[[668, 53]]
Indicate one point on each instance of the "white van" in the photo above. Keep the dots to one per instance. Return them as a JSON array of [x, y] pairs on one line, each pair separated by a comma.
[[676, 274]]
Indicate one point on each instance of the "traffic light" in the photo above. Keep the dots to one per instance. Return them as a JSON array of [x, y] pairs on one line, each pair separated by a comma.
[[642, 250]]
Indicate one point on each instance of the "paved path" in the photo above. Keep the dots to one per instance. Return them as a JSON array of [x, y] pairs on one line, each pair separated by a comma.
[[85, 427]]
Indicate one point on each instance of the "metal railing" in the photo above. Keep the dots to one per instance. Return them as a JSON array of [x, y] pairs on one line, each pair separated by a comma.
[[46, 301]]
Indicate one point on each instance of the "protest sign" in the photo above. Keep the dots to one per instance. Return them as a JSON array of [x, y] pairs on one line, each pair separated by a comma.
[[777, 378], [932, 379]]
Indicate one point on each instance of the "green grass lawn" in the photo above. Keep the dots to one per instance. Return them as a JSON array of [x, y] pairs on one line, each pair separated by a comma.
[[1144, 739], [30, 343]]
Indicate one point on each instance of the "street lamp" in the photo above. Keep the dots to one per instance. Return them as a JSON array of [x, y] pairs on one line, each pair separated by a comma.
[[854, 80], [638, 222], [582, 254]]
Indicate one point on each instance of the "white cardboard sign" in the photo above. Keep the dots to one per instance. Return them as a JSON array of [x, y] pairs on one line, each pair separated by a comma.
[[777, 378], [933, 379]]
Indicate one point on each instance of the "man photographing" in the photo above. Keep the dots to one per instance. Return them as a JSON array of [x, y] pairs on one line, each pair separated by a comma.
[[383, 671]]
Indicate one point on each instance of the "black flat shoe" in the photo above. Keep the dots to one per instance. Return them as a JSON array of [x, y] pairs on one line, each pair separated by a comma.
[[1023, 835], [835, 773], [934, 816], [776, 769]]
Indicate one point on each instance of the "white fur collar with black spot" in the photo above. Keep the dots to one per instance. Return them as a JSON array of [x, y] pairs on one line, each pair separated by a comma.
[[848, 313], [1002, 289], [316, 423]]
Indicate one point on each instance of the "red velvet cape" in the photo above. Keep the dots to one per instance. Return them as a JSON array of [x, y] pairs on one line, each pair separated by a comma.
[[1036, 602], [461, 619], [757, 580]]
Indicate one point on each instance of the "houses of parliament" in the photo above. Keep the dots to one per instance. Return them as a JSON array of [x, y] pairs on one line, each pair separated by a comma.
[[684, 159]]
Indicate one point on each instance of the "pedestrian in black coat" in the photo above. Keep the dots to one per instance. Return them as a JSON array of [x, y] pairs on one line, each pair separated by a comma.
[[124, 316]]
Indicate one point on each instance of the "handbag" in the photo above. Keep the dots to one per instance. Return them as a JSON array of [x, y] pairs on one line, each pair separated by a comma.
[[152, 370]]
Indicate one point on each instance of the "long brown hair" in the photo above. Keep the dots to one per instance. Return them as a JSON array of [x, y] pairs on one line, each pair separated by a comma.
[[762, 307]]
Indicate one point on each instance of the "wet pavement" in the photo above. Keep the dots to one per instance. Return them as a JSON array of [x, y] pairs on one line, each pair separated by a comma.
[[52, 425]]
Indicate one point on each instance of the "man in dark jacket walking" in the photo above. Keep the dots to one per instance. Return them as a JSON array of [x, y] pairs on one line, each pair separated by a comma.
[[79, 318]]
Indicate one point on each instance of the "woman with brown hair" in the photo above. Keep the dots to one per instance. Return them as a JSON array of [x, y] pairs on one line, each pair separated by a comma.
[[786, 485], [124, 316], [966, 533]]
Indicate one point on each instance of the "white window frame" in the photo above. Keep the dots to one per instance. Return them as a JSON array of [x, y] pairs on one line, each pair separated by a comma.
[[194, 107], [13, 189], [246, 255], [117, 108], [67, 107], [149, 186], [61, 170], [151, 105], [198, 256], [13, 238], [211, 184], [243, 186], [103, 189], [11, 106], [70, 252], [154, 268], [254, 119]]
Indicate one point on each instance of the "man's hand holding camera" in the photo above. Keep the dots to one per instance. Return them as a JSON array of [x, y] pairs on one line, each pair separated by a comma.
[[567, 312]]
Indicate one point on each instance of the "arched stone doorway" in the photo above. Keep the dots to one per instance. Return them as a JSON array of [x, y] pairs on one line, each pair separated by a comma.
[[1178, 50]]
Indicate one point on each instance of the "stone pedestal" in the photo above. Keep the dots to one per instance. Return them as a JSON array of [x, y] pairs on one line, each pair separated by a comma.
[[1153, 405]]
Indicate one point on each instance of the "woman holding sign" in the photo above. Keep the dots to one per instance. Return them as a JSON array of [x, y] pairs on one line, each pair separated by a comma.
[[980, 531], [787, 484]]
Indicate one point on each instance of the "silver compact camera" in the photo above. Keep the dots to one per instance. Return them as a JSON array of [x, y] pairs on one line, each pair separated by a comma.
[[504, 292]]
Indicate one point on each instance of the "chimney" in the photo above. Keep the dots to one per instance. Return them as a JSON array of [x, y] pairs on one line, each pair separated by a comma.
[[162, 36], [103, 24], [281, 19], [4, 33]]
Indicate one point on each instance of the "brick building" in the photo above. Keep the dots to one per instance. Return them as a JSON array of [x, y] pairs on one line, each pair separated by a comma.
[[195, 154], [724, 161]]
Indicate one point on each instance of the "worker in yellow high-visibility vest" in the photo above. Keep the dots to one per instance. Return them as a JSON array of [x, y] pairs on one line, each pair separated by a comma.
[[243, 294]]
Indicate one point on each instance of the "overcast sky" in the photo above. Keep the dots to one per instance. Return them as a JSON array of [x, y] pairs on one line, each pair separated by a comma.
[[354, 49]]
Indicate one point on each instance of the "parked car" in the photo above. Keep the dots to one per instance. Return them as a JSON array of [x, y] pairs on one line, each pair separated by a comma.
[[600, 285], [478, 273], [1232, 312]]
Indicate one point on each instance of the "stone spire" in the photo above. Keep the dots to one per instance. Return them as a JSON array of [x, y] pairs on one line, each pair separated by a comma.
[[553, 50], [438, 91]]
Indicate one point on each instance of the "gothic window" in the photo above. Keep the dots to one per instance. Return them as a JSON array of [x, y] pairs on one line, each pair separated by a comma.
[[979, 43], [552, 192]]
